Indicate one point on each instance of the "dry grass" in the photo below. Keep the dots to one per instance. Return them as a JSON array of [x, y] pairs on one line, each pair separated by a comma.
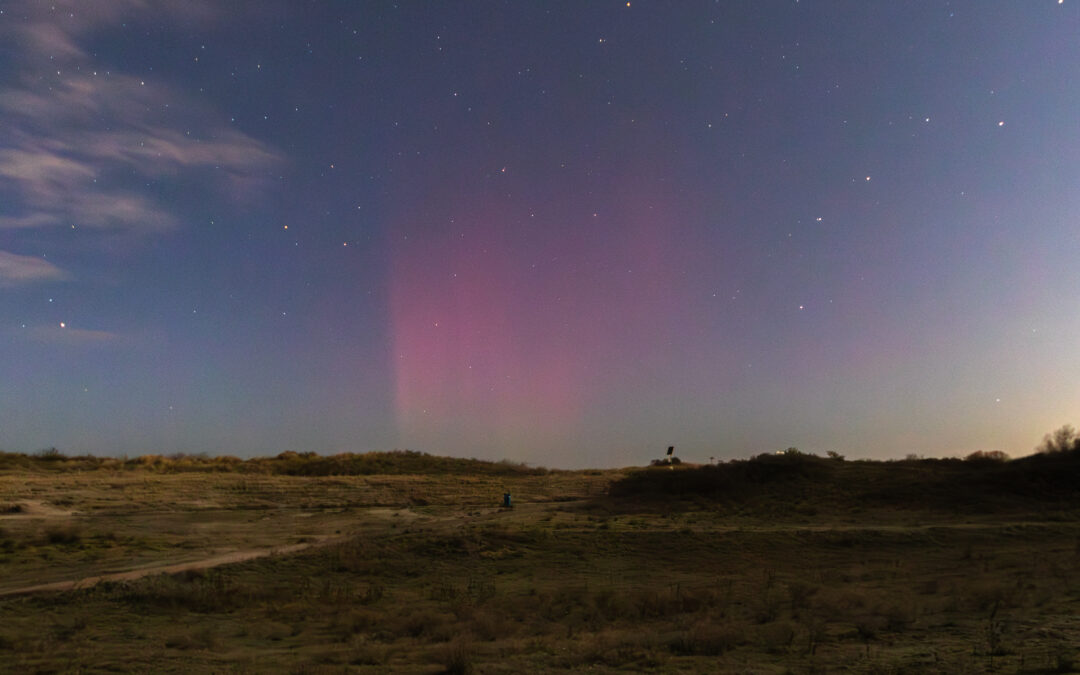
[[458, 585]]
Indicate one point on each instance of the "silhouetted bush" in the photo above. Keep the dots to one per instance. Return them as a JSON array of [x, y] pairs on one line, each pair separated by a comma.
[[1062, 440], [50, 455], [987, 456]]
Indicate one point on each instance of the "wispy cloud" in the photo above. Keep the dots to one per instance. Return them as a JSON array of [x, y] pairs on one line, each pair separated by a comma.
[[78, 141], [71, 336], [25, 269]]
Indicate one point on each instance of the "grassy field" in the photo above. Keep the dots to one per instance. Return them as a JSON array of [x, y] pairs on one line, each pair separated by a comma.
[[774, 565]]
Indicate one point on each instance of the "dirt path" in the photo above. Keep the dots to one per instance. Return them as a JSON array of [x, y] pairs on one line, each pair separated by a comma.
[[29, 508], [127, 575]]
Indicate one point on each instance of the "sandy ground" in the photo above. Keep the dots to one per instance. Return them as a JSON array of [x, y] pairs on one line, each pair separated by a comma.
[[30, 509], [205, 563], [36, 509], [523, 512]]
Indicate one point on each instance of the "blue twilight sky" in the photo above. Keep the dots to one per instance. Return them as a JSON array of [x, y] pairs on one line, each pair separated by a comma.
[[567, 233]]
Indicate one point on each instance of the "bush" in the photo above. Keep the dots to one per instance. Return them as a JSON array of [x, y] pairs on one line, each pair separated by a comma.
[[62, 535], [1063, 660], [706, 638], [800, 593], [776, 637], [457, 659], [1062, 440], [197, 591], [50, 455]]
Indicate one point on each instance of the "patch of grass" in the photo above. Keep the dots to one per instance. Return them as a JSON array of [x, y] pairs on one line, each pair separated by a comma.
[[457, 659], [194, 591], [67, 535], [702, 584], [707, 637]]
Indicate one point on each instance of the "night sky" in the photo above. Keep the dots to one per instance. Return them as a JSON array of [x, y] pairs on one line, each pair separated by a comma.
[[566, 233]]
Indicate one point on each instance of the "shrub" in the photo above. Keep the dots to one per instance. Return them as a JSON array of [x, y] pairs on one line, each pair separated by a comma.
[[417, 624], [1062, 440], [50, 455], [194, 592], [776, 637], [368, 655], [457, 659], [868, 626], [706, 638], [1063, 660], [62, 535], [800, 593], [204, 638]]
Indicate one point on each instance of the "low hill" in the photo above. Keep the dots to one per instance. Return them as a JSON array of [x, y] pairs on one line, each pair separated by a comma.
[[806, 482], [286, 463]]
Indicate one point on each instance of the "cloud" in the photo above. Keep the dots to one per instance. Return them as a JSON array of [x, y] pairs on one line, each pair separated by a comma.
[[50, 39], [71, 336], [79, 140], [159, 150], [56, 190], [24, 269], [34, 167], [53, 26], [27, 221]]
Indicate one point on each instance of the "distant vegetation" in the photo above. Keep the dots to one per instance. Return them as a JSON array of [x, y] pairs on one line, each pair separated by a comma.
[[1064, 439], [784, 562], [286, 463], [797, 481]]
